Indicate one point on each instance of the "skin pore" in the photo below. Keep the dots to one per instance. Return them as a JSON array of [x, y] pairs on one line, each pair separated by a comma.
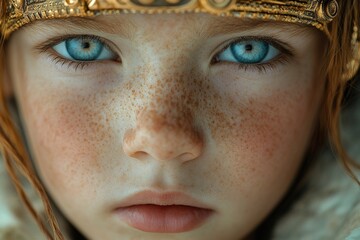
[[167, 111]]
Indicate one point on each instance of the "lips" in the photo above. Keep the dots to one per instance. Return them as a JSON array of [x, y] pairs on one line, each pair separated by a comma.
[[170, 212]]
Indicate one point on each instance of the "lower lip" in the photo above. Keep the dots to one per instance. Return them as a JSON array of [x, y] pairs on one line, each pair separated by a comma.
[[163, 219]]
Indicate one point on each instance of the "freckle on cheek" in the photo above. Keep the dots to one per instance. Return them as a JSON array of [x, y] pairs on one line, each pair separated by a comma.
[[69, 136], [253, 131]]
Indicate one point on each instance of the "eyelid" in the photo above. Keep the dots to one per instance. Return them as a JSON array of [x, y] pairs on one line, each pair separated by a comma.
[[49, 44], [283, 47], [287, 52], [47, 48]]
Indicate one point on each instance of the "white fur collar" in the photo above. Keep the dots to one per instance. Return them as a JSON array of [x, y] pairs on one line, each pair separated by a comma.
[[330, 207]]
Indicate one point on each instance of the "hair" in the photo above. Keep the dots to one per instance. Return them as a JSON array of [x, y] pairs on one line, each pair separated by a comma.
[[338, 55]]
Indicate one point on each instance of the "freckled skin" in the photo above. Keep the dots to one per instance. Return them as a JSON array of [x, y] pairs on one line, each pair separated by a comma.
[[167, 119]]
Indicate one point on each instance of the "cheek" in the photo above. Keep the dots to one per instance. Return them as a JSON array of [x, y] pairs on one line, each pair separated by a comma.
[[263, 136], [259, 148], [259, 126], [63, 125], [69, 135]]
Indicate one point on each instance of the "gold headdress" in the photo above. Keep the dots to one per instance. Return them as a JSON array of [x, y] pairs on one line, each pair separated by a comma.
[[314, 12]]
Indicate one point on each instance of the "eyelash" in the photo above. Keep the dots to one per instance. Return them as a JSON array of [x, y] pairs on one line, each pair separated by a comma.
[[284, 57], [69, 63], [264, 67], [47, 48]]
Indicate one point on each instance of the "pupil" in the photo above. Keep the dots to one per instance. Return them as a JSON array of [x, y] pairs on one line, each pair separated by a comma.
[[86, 45], [248, 47]]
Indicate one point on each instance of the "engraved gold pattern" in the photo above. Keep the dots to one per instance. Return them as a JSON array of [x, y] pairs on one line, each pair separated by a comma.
[[354, 64], [314, 12], [71, 2]]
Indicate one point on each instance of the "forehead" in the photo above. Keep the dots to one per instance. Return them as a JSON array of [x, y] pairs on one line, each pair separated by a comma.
[[206, 25]]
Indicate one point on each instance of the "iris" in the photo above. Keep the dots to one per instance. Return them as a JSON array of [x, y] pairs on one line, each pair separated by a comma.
[[84, 48], [250, 51]]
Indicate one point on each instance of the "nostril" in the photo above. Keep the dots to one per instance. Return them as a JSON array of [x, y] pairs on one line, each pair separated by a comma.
[[186, 156], [139, 155]]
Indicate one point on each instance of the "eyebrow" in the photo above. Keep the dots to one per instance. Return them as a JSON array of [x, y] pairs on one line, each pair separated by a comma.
[[126, 29], [229, 25]]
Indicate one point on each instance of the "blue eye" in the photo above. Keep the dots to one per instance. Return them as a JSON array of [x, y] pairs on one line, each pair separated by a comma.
[[84, 48], [249, 52]]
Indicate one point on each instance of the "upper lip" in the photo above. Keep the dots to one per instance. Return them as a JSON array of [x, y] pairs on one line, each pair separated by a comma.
[[162, 199]]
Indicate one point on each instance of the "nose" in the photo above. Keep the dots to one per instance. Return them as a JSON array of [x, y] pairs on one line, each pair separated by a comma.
[[163, 135]]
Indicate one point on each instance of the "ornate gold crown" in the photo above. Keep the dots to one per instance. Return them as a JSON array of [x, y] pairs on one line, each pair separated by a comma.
[[314, 12]]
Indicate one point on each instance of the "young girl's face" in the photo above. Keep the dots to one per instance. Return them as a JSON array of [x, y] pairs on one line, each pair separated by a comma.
[[198, 122]]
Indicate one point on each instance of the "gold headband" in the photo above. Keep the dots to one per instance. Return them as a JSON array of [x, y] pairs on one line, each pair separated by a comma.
[[314, 12]]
